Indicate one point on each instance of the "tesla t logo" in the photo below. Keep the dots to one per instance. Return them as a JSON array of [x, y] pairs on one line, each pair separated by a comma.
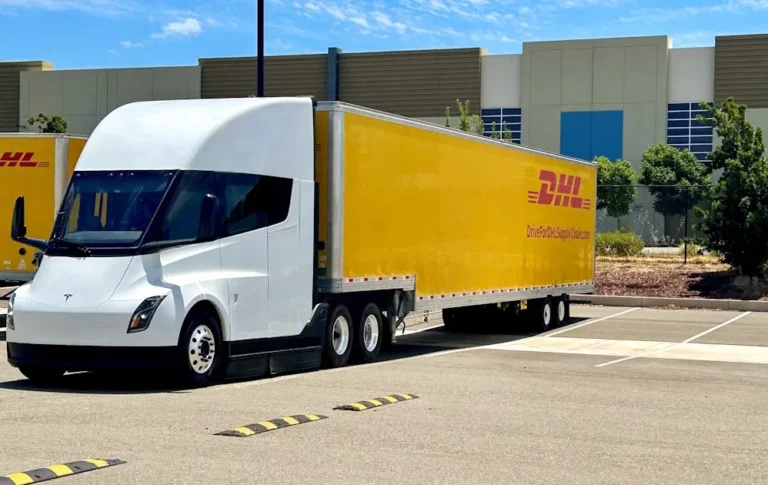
[[560, 191], [21, 159], [67, 296]]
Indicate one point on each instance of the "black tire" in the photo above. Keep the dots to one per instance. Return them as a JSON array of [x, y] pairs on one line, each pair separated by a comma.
[[42, 375], [331, 357], [543, 315], [455, 319], [200, 337], [362, 351]]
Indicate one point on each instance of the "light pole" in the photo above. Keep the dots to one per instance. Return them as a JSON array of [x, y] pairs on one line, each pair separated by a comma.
[[260, 48]]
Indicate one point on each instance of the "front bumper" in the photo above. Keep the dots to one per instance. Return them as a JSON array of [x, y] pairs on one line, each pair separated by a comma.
[[82, 358]]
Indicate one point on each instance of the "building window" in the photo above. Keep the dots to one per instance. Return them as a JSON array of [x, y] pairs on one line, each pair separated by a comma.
[[685, 131], [497, 120]]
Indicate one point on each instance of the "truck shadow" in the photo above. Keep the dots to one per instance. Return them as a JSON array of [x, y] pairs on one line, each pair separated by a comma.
[[415, 344]]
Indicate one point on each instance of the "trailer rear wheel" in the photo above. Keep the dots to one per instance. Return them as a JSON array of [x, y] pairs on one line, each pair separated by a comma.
[[338, 338], [544, 315], [562, 310], [368, 334], [455, 319]]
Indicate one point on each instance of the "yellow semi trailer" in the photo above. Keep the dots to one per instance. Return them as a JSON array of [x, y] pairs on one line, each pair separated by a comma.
[[38, 166], [450, 220]]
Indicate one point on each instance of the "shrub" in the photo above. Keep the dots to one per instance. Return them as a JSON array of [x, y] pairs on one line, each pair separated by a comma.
[[619, 243]]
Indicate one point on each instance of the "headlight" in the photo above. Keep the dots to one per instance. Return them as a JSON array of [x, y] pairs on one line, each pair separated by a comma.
[[143, 315], [9, 316]]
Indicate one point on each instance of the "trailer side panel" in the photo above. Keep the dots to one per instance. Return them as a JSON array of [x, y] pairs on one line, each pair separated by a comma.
[[462, 216]]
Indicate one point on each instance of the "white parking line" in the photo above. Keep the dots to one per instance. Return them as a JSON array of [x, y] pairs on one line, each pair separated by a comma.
[[247, 384], [672, 346]]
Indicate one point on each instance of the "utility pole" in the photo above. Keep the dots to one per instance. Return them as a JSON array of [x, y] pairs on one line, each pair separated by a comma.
[[260, 48]]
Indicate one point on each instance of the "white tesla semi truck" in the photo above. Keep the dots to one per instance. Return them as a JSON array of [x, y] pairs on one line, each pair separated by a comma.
[[255, 236]]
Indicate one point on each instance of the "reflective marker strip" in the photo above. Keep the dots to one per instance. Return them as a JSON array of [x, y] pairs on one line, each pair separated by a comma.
[[390, 399], [245, 431], [269, 425], [97, 463], [290, 420], [375, 402]]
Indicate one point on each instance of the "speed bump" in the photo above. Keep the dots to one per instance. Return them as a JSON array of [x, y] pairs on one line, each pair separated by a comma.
[[377, 402], [264, 426], [57, 471]]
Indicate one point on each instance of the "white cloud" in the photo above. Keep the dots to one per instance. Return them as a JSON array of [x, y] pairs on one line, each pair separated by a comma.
[[185, 28], [130, 44], [383, 20], [98, 7]]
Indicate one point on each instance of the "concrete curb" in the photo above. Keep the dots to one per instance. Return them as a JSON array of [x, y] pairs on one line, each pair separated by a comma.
[[648, 301]]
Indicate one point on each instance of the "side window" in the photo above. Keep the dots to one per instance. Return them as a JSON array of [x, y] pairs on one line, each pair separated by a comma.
[[182, 218], [253, 202]]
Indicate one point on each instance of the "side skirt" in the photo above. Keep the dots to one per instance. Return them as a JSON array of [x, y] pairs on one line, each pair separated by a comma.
[[281, 355]]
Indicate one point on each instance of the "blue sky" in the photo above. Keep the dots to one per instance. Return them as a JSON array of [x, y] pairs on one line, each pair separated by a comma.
[[116, 33]]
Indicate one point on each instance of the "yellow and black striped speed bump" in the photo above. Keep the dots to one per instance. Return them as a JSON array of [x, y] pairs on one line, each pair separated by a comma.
[[57, 471], [377, 402], [264, 426]]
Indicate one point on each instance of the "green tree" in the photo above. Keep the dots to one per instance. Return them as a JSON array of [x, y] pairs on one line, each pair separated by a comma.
[[48, 124], [676, 178], [467, 122], [616, 189], [736, 223]]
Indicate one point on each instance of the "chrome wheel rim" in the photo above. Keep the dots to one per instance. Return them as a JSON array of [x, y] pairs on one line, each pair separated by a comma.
[[340, 335], [371, 333], [561, 310], [201, 349]]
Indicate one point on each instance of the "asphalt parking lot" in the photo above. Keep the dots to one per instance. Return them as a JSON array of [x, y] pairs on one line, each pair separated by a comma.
[[619, 395]]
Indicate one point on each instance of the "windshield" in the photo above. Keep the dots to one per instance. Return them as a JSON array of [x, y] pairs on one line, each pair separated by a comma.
[[110, 208]]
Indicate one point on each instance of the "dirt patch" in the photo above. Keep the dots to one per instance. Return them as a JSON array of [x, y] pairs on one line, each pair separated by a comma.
[[702, 277]]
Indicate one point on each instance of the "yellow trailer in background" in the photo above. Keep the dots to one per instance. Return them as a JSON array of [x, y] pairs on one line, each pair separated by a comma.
[[455, 220], [38, 166]]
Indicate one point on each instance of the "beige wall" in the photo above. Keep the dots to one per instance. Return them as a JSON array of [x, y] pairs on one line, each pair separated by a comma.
[[85, 97], [501, 76], [628, 74], [691, 75]]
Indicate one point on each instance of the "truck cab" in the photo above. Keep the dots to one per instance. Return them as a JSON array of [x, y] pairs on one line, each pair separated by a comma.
[[185, 239]]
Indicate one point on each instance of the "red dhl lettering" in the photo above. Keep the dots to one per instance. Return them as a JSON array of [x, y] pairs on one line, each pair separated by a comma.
[[21, 159], [560, 191]]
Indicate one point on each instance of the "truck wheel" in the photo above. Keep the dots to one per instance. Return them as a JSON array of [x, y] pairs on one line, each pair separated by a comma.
[[368, 335], [544, 315], [338, 338], [455, 320], [562, 310], [200, 350], [42, 375]]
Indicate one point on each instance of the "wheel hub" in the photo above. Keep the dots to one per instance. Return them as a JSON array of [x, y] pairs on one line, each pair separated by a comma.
[[371, 333], [201, 349], [340, 335]]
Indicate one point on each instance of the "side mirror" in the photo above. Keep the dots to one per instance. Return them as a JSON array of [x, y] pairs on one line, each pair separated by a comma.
[[19, 229], [208, 218]]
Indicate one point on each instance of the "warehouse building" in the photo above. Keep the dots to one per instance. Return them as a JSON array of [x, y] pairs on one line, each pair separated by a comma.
[[583, 98]]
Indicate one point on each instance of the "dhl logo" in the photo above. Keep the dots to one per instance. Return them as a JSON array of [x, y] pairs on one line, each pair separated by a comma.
[[21, 159], [560, 193]]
